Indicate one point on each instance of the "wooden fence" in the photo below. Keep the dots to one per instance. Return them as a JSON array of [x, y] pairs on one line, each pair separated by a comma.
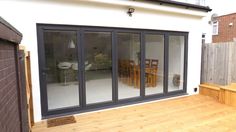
[[219, 63]]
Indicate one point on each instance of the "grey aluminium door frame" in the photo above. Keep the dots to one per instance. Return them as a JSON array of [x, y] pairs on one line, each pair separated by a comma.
[[83, 107], [43, 70]]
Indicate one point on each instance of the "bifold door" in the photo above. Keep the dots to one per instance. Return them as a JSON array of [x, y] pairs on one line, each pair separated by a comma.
[[83, 68], [60, 69], [98, 66]]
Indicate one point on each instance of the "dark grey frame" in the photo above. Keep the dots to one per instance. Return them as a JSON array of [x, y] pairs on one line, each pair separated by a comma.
[[81, 73]]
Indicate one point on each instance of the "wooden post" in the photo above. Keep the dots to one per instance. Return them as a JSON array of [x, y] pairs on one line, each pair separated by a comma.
[[28, 83]]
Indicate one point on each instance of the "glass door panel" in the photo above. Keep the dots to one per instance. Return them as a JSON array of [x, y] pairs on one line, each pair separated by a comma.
[[176, 63], [61, 68], [128, 45], [154, 63], [98, 66]]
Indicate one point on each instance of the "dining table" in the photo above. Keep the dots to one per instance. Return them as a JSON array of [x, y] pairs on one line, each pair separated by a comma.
[[150, 76]]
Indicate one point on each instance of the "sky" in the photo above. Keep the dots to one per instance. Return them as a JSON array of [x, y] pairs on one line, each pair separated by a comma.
[[222, 7]]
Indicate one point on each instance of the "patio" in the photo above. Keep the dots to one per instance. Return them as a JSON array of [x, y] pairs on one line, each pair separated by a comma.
[[190, 113]]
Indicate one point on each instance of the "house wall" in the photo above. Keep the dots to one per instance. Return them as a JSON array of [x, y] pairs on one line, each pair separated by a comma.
[[226, 33], [146, 16]]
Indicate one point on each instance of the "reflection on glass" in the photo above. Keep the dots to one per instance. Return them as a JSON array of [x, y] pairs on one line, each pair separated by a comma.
[[98, 66], [176, 63], [128, 65], [61, 68], [154, 62]]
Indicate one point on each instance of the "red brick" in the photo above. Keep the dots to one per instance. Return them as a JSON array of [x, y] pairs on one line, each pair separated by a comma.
[[226, 33]]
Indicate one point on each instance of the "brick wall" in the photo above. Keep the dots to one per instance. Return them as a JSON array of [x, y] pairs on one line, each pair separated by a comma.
[[226, 33], [9, 107]]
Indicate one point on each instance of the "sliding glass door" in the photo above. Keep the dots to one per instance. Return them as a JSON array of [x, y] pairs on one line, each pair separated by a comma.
[[83, 68]]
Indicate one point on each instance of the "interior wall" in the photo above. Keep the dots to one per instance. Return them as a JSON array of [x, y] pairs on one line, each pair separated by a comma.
[[29, 13], [129, 47], [124, 50], [176, 54], [97, 43]]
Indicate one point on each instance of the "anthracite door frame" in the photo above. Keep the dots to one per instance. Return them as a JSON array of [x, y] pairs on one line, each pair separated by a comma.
[[81, 72]]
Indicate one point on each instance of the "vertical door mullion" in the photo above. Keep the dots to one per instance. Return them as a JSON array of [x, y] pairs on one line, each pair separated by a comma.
[[166, 62], [114, 68], [80, 80], [82, 69], [142, 65], [185, 62]]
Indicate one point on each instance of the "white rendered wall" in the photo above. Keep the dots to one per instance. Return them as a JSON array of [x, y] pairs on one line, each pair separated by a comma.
[[25, 15]]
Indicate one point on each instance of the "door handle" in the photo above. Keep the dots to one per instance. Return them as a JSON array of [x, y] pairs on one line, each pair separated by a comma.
[[45, 70]]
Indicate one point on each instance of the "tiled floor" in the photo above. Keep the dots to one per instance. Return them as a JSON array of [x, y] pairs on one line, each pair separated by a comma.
[[98, 90]]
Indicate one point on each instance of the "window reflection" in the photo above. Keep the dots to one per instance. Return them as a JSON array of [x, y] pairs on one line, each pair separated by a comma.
[[98, 66], [61, 68], [128, 65], [154, 63], [176, 63]]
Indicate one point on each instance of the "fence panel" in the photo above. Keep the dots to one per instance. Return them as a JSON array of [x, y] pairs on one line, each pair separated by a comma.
[[233, 63], [218, 63]]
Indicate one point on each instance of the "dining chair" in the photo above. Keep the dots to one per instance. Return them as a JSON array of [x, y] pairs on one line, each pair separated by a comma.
[[147, 72], [154, 63], [147, 62], [119, 68], [122, 70], [154, 70], [125, 71], [131, 72], [136, 74]]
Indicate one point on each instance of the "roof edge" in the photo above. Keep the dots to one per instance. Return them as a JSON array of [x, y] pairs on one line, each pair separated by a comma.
[[4, 22], [182, 4], [226, 15], [8, 32]]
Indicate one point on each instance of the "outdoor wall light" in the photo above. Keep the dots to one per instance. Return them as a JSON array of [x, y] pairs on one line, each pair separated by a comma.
[[231, 24], [130, 11]]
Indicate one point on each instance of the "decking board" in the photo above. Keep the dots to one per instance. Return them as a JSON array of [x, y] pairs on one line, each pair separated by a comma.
[[192, 113]]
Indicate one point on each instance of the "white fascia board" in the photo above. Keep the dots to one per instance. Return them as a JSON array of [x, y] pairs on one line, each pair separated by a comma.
[[150, 6]]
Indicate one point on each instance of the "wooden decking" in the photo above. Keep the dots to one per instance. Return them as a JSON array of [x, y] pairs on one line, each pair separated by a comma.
[[193, 113]]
